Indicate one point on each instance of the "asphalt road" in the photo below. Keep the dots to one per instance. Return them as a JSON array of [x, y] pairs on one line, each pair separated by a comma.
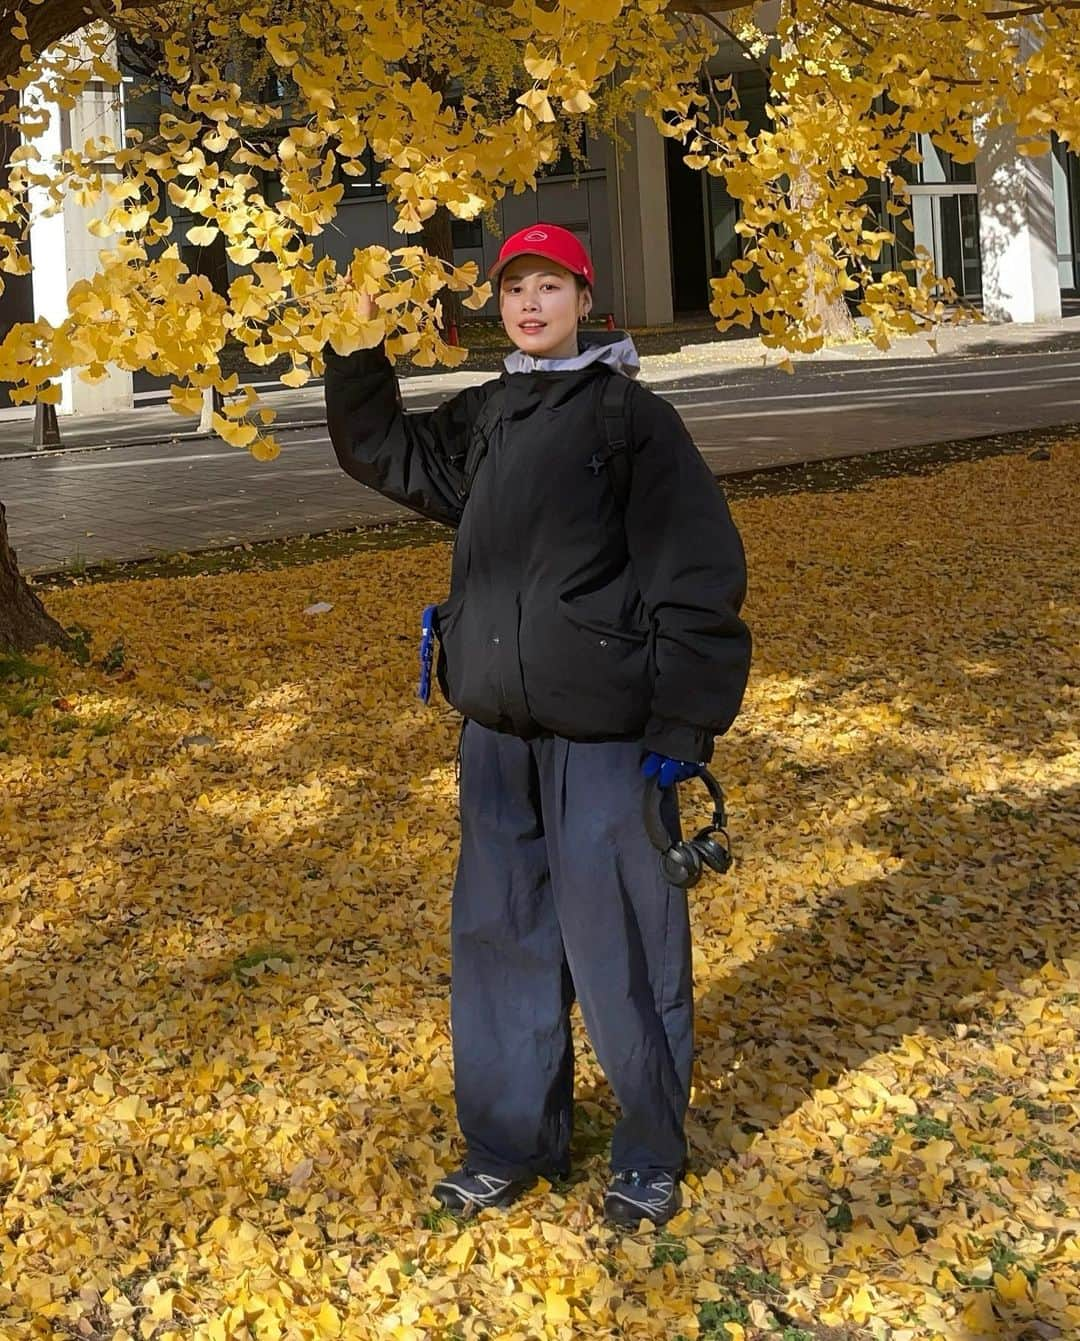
[[135, 501]]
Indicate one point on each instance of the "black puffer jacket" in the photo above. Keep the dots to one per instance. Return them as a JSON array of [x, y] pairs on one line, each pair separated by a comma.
[[565, 614]]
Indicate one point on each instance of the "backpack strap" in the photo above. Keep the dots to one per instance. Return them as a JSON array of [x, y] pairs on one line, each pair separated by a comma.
[[484, 428], [614, 395], [617, 449]]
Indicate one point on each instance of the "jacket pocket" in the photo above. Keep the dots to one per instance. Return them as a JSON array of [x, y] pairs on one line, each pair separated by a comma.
[[589, 678], [588, 623], [467, 668], [603, 630]]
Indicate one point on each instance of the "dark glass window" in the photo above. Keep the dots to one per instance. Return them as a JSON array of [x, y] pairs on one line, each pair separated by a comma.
[[467, 233], [367, 186], [725, 244], [568, 163], [1067, 198], [938, 167]]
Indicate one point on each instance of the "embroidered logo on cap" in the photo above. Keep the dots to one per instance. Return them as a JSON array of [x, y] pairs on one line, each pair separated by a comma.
[[536, 235]]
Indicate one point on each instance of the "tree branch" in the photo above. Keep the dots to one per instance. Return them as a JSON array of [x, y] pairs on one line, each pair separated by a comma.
[[50, 23]]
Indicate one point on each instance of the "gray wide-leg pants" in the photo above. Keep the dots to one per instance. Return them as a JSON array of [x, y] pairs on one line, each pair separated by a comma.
[[558, 893]]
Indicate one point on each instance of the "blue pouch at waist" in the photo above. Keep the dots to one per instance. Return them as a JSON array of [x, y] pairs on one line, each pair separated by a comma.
[[427, 652]]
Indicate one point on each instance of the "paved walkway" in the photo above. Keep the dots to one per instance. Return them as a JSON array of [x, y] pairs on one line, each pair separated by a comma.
[[153, 495]]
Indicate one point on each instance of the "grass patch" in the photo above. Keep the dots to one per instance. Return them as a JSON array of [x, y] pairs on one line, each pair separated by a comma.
[[79, 644], [713, 1315], [924, 1128], [114, 658], [20, 701], [668, 1249], [21, 685], [16, 666]]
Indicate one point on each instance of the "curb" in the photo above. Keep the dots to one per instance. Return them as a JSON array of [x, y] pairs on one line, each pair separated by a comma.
[[159, 440]]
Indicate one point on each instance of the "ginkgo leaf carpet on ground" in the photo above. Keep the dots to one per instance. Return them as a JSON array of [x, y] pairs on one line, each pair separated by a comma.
[[225, 867]]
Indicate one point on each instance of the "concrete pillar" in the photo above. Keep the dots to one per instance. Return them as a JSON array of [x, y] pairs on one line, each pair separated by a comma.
[[48, 243], [62, 250], [1017, 231], [640, 230]]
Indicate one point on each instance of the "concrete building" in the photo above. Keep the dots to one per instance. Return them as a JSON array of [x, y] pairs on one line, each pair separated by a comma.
[[62, 251], [1005, 229]]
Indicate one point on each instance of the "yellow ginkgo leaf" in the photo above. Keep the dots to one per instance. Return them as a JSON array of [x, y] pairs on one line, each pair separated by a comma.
[[236, 434]]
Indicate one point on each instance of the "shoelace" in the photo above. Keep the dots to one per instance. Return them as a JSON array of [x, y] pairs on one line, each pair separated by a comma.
[[637, 1179], [472, 1173]]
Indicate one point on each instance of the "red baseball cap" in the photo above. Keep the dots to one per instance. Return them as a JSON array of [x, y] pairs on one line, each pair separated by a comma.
[[551, 242]]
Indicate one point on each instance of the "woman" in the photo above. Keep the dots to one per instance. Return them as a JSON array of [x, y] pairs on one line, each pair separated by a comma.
[[591, 640]]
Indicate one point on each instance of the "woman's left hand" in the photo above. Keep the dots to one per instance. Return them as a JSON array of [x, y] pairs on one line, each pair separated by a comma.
[[668, 771]]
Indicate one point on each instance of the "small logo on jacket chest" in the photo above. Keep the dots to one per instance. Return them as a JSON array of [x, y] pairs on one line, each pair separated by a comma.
[[597, 464]]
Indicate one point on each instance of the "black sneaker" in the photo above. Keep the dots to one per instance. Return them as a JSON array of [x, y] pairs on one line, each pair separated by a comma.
[[632, 1197], [465, 1191]]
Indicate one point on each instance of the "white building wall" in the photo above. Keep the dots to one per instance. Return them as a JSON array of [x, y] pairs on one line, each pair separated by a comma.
[[64, 252], [1018, 232]]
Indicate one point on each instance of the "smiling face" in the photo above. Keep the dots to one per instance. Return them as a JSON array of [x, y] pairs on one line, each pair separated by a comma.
[[541, 303]]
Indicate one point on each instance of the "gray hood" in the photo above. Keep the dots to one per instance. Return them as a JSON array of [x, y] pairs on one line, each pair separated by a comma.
[[615, 348]]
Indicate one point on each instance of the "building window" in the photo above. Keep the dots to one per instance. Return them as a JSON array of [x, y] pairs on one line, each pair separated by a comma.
[[367, 186], [1066, 169], [938, 167], [724, 211], [943, 215], [570, 161], [467, 234]]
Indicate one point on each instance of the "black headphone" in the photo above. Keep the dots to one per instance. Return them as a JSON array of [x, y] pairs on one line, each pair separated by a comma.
[[683, 860]]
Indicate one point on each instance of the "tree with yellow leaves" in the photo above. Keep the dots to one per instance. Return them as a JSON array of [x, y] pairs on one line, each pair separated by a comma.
[[462, 103]]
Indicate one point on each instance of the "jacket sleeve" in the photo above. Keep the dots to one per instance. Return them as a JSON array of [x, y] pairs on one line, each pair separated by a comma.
[[691, 570], [415, 458]]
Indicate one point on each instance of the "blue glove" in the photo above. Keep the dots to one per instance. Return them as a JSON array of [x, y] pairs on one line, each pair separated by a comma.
[[666, 771]]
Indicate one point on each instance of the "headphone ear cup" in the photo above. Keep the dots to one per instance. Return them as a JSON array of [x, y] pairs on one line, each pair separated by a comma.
[[681, 865], [715, 855]]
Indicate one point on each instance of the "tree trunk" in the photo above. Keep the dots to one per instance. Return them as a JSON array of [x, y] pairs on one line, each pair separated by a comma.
[[24, 623], [437, 237], [834, 315], [837, 323]]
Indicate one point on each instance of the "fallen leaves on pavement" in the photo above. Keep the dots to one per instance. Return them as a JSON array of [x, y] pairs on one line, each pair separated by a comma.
[[226, 855]]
